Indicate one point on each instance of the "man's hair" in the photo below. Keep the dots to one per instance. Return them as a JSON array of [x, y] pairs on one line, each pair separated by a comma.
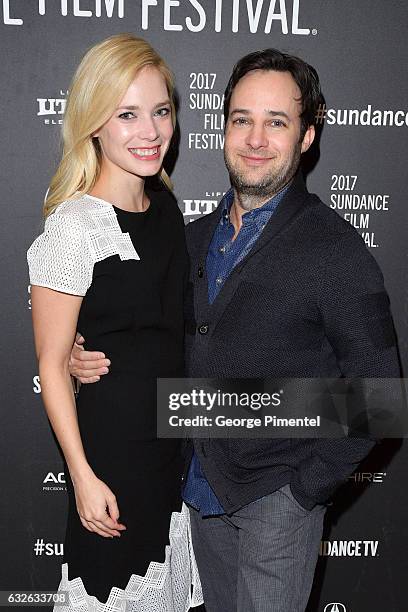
[[304, 75]]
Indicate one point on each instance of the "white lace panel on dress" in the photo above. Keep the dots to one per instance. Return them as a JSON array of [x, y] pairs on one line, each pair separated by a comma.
[[77, 235], [172, 586]]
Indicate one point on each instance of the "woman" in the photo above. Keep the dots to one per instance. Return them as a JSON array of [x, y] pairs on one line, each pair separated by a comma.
[[112, 262]]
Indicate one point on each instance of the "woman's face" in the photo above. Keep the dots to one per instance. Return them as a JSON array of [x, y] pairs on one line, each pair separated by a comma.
[[137, 136]]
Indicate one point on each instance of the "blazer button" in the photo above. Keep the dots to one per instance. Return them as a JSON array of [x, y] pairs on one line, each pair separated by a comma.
[[203, 329], [200, 272]]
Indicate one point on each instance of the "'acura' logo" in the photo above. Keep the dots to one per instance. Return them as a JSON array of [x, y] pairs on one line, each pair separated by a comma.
[[335, 607]]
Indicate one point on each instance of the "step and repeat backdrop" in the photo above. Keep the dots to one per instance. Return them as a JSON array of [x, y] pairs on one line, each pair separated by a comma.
[[358, 168]]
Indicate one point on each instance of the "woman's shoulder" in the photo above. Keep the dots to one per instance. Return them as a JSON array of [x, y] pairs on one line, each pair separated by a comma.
[[81, 215], [61, 257], [81, 207], [72, 221]]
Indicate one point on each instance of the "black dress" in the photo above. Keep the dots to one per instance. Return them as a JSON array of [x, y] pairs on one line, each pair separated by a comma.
[[133, 312]]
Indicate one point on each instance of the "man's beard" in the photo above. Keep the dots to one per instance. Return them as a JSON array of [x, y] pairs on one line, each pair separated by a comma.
[[253, 195]]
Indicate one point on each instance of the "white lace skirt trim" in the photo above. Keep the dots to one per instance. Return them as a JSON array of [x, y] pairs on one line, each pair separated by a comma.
[[172, 586]]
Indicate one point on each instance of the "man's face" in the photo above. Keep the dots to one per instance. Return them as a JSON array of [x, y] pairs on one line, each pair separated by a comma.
[[262, 138]]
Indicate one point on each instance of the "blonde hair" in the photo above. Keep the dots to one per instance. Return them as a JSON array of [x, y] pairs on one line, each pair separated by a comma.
[[100, 82]]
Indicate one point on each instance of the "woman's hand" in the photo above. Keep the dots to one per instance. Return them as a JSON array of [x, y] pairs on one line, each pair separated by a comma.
[[97, 507]]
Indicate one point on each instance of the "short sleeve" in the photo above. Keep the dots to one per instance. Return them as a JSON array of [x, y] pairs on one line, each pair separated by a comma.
[[60, 258]]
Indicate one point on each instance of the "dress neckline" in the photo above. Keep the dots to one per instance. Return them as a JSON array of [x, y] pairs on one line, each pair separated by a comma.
[[121, 210]]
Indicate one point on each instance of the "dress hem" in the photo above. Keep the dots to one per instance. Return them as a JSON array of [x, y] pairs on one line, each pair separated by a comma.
[[171, 586]]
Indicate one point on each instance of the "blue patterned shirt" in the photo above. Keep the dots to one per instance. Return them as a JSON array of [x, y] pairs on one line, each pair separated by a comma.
[[223, 255]]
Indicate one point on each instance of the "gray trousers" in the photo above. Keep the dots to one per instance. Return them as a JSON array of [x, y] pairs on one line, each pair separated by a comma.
[[262, 558]]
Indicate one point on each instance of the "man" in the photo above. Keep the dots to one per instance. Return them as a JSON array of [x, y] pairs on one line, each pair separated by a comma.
[[281, 287]]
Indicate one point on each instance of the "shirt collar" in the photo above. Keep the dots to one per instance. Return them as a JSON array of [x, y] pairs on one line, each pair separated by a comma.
[[268, 207]]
